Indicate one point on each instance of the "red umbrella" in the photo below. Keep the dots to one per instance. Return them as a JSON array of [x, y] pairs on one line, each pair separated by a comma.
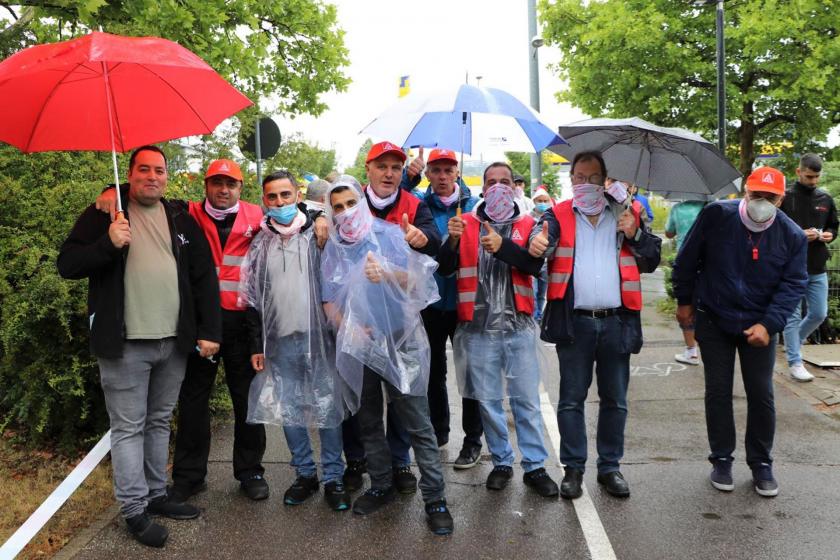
[[107, 92]]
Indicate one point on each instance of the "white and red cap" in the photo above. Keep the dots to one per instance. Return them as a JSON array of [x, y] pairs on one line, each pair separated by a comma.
[[382, 148]]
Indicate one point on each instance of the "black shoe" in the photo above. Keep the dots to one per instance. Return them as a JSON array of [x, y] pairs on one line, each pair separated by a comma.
[[468, 457], [571, 487], [404, 480], [145, 531], [614, 484], [255, 487], [539, 480], [438, 518], [180, 493], [374, 499], [721, 476], [499, 477], [353, 474], [302, 488], [168, 507], [764, 481], [336, 495]]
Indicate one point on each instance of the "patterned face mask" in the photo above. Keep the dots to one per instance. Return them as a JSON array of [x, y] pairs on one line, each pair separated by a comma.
[[589, 198], [498, 202], [353, 225]]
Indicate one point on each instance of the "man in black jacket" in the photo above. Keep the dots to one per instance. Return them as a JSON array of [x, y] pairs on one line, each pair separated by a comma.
[[153, 297], [813, 210]]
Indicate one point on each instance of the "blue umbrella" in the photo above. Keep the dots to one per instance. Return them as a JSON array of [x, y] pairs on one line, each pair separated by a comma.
[[462, 116]]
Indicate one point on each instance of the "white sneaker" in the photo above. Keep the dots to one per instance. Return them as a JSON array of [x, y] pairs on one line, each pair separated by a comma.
[[799, 373], [686, 358]]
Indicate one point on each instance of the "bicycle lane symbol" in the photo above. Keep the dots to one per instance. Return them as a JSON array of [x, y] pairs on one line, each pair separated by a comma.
[[661, 369]]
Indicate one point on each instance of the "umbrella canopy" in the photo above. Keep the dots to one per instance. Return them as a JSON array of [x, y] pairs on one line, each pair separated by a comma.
[[672, 162], [465, 117], [107, 92]]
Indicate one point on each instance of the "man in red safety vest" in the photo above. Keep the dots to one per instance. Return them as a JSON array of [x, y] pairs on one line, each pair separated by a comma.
[[496, 344], [597, 239]]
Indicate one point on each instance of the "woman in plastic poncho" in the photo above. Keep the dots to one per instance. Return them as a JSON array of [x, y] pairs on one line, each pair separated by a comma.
[[292, 348], [373, 287]]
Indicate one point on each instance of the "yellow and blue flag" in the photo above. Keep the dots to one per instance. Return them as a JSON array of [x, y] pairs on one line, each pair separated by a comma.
[[405, 87]]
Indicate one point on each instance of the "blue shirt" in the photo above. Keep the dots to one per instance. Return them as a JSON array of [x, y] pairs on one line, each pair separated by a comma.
[[597, 279], [682, 217]]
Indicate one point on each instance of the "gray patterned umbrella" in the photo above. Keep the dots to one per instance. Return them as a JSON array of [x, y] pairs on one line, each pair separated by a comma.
[[672, 162]]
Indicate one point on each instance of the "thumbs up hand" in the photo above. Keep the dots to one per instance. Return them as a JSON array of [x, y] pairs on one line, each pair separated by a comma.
[[417, 164], [373, 270], [539, 243], [413, 236], [491, 241]]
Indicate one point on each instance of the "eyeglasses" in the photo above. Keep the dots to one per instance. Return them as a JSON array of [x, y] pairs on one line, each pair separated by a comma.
[[594, 179]]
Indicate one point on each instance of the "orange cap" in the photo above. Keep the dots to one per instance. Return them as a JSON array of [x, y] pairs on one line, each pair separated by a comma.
[[224, 167], [442, 154], [766, 179], [382, 148]]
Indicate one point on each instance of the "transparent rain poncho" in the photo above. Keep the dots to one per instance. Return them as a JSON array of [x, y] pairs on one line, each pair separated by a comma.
[[498, 353], [378, 323], [299, 386]]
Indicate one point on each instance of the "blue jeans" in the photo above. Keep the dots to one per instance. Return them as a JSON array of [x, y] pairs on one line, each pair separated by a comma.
[[332, 466], [799, 329], [598, 343], [540, 288]]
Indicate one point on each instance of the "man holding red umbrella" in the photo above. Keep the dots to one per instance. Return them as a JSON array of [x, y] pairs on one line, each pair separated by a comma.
[[153, 297]]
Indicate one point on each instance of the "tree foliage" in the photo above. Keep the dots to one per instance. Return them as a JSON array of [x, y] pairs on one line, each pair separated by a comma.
[[300, 157], [357, 170], [656, 59], [521, 164]]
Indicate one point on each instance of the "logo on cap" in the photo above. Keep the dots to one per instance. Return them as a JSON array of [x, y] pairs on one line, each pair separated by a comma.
[[387, 147], [224, 167], [768, 178]]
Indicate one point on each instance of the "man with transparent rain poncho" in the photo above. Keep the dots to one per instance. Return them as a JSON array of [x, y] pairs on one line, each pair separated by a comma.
[[495, 344], [373, 287], [292, 348]]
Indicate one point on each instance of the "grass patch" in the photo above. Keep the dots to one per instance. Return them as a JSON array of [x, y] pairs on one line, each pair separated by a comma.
[[667, 306], [28, 476]]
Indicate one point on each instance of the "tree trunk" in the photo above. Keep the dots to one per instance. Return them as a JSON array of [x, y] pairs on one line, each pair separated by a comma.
[[746, 137]]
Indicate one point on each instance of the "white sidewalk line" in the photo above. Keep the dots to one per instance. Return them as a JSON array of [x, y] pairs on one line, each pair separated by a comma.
[[54, 501], [593, 530]]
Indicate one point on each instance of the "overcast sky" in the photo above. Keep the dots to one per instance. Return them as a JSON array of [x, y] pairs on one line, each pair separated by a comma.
[[436, 43]]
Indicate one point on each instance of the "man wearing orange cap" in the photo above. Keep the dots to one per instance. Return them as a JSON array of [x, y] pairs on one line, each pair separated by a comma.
[[739, 275], [387, 201]]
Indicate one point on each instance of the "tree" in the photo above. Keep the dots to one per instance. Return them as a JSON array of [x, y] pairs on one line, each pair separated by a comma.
[[292, 49], [656, 59], [300, 157], [357, 170], [521, 164]]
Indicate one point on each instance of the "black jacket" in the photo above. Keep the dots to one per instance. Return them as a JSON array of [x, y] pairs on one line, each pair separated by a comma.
[[88, 253], [812, 208], [557, 321]]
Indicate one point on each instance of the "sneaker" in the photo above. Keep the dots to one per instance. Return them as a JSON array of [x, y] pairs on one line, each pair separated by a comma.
[[373, 500], [571, 488], [690, 358], [167, 507], [353, 474], [145, 531], [499, 477], [799, 373], [539, 480], [468, 457], [255, 487], [404, 480], [336, 495], [302, 488], [721, 476], [438, 518], [764, 482], [180, 493]]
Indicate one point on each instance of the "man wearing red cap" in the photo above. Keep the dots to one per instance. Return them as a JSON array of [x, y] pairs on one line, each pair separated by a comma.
[[739, 275], [387, 201]]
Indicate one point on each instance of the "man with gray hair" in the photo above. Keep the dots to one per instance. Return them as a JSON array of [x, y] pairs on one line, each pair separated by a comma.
[[315, 193]]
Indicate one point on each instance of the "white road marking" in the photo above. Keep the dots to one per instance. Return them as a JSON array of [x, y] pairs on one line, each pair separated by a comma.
[[593, 530]]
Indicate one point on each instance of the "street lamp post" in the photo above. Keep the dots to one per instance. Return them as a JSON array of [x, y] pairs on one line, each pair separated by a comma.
[[721, 65], [535, 42]]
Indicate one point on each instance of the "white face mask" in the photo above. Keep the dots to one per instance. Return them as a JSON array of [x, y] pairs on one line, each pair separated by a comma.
[[761, 210]]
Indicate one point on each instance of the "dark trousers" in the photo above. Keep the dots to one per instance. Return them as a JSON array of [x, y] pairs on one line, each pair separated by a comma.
[[718, 352], [440, 326], [192, 441], [413, 413]]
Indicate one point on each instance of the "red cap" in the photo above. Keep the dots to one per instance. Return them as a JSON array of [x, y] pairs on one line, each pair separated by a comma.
[[224, 167], [442, 154], [379, 150], [766, 179]]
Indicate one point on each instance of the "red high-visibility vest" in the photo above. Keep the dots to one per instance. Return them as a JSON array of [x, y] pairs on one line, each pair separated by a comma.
[[562, 261], [407, 203], [245, 227], [523, 287]]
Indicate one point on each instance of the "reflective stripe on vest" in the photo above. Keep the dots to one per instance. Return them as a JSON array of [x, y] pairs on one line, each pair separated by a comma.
[[467, 277], [562, 261], [228, 262]]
